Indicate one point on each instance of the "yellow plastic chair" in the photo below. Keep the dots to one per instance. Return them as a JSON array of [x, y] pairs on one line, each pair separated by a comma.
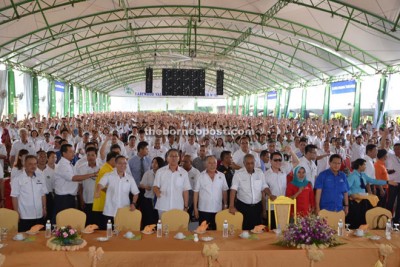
[[127, 220], [235, 220], [9, 219], [332, 217], [282, 207], [177, 220], [372, 216], [72, 217]]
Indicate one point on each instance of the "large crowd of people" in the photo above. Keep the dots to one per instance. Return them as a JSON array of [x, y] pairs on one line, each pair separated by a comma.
[[197, 162]]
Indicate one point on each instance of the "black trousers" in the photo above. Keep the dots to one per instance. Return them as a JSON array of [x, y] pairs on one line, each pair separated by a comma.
[[63, 202], [394, 192], [356, 215], [149, 214], [26, 224], [89, 213], [273, 223], [382, 199], [251, 214], [100, 220], [50, 207], [209, 217]]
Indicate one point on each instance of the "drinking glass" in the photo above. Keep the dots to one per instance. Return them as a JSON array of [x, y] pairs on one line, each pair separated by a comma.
[[231, 230], [116, 230], [166, 230], [347, 227], [396, 227], [3, 234]]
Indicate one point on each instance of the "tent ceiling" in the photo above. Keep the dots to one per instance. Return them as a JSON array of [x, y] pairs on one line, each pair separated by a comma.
[[261, 45]]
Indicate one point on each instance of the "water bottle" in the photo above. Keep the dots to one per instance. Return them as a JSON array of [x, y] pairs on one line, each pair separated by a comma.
[[388, 230], [225, 229], [48, 229], [159, 228], [340, 228], [109, 229]]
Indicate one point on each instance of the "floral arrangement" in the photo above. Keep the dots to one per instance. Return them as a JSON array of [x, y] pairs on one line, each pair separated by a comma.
[[66, 238], [309, 231], [66, 235]]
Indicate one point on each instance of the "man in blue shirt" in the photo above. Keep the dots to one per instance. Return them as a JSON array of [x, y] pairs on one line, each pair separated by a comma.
[[332, 188], [138, 165]]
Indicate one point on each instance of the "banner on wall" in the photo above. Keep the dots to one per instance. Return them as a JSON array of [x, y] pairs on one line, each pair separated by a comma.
[[343, 87], [59, 86], [271, 95]]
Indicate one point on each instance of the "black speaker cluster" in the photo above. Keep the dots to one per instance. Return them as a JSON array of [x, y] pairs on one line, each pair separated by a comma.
[[149, 80], [220, 82], [183, 82]]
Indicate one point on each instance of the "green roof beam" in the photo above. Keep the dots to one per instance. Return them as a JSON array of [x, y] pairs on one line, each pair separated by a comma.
[[45, 20]]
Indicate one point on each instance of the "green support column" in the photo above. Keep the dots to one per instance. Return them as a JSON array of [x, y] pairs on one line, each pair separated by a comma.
[[109, 103], [248, 105], [196, 104], [71, 101], [287, 100], [278, 104], [94, 101], [357, 105], [255, 104], [53, 109], [166, 104], [379, 109], [80, 99], [243, 104], [231, 105], [35, 96], [87, 101], [237, 105], [327, 98], [66, 99], [11, 91], [265, 113], [303, 104]]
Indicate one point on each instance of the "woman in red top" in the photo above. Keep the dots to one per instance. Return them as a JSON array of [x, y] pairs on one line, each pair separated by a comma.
[[301, 190]]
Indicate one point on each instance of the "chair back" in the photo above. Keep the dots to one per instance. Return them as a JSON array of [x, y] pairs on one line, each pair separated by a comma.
[[72, 217], [282, 207], [127, 220], [177, 220], [376, 218], [9, 219], [332, 217], [235, 220]]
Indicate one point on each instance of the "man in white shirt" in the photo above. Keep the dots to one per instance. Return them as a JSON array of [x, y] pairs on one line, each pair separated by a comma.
[[393, 167], [308, 163], [238, 156], [190, 147], [23, 143], [170, 143], [119, 184], [28, 193], [371, 152], [131, 146], [193, 174], [66, 180], [87, 187], [357, 149], [210, 193], [338, 149], [323, 157], [172, 185], [249, 185], [157, 150]]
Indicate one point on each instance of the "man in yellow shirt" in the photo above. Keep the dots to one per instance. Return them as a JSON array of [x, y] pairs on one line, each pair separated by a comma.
[[98, 203]]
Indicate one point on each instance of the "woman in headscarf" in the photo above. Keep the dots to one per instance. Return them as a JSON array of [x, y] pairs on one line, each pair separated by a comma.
[[301, 190]]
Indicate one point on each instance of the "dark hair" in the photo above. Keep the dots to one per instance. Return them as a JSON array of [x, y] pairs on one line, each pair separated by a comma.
[[276, 153], [18, 162], [119, 157], [142, 145], [335, 156], [308, 148], [141, 131], [50, 152], [61, 141], [303, 140], [131, 136], [397, 144], [91, 149], [64, 148], [40, 151], [264, 152], [382, 153], [369, 148], [111, 155], [30, 157], [89, 144], [224, 154], [357, 163], [115, 146], [171, 150], [160, 162]]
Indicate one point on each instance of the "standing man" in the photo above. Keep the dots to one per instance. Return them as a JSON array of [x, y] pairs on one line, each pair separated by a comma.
[[23, 143], [193, 174], [238, 156], [308, 163], [199, 162], [210, 193], [332, 188], [66, 180], [226, 168], [157, 150], [28, 193], [172, 185], [357, 149], [371, 153], [249, 184], [119, 184], [393, 166]]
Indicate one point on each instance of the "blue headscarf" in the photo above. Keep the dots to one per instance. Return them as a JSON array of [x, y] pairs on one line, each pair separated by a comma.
[[296, 181]]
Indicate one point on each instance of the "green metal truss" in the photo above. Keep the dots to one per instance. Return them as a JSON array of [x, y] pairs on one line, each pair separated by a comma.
[[103, 24]]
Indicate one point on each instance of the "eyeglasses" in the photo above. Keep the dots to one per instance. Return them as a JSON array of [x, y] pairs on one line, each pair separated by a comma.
[[277, 160]]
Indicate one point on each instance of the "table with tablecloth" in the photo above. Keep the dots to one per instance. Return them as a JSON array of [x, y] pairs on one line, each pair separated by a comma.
[[167, 251]]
